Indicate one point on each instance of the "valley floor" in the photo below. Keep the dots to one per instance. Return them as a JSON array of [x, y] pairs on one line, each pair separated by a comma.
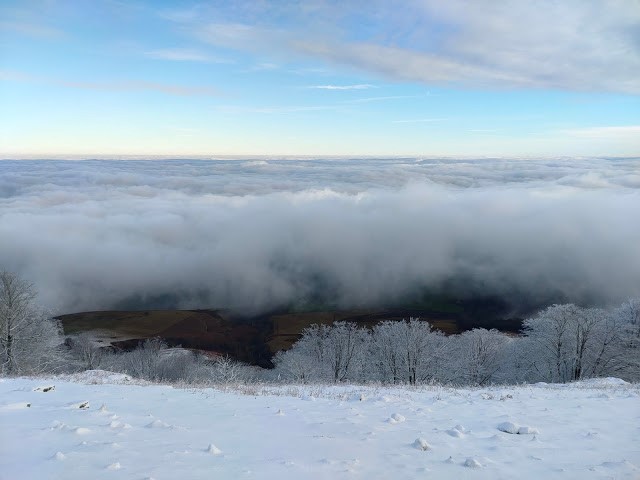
[[104, 426]]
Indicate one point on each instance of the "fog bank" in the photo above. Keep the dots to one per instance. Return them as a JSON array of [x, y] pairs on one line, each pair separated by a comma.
[[260, 234]]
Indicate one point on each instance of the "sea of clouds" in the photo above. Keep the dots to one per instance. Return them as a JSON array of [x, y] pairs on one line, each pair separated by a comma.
[[259, 234]]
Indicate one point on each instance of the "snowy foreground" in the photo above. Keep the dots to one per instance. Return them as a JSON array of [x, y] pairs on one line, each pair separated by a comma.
[[100, 425]]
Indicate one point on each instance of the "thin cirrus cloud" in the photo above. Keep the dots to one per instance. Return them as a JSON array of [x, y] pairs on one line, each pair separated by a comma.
[[606, 132], [277, 110], [523, 45], [133, 86], [360, 86], [32, 30], [113, 86], [183, 55], [420, 120]]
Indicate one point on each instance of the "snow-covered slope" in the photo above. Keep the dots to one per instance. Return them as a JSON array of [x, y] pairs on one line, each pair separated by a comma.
[[87, 428]]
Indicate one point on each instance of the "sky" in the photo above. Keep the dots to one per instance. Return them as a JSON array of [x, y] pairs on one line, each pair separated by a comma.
[[319, 77]]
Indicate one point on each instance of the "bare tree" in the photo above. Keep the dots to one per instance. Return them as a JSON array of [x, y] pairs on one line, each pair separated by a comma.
[[478, 356], [86, 351], [333, 353], [28, 338], [296, 365], [144, 361], [407, 352], [567, 343], [227, 370]]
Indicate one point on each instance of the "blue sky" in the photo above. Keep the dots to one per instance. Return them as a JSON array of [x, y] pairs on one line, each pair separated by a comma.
[[376, 78]]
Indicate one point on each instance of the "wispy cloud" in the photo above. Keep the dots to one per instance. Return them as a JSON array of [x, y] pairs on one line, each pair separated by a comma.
[[32, 30], [183, 55], [14, 76], [613, 132], [524, 45], [114, 86], [136, 85], [420, 120], [382, 99], [277, 110], [360, 86]]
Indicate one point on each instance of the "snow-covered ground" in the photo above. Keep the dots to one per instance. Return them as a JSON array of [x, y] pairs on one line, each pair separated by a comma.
[[97, 425]]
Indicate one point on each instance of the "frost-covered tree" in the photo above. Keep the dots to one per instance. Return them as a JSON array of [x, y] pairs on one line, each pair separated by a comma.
[[85, 351], [478, 356], [227, 370], [568, 343], [296, 365], [29, 339], [336, 350], [144, 361], [387, 357], [407, 351], [623, 355]]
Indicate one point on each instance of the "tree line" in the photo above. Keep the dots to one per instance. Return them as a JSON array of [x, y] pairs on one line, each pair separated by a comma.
[[562, 343]]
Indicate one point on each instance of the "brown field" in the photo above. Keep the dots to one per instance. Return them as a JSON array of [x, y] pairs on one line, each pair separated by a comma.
[[286, 328], [255, 340]]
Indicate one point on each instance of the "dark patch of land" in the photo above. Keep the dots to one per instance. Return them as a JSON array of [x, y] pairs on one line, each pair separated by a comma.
[[254, 339]]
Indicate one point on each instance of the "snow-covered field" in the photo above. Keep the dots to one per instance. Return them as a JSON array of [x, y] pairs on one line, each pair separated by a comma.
[[98, 425]]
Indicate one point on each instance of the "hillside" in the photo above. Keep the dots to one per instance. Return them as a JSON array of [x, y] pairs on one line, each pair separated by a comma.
[[76, 427], [254, 339]]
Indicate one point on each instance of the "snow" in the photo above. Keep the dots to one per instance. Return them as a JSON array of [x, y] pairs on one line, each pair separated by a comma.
[[421, 444], [135, 431]]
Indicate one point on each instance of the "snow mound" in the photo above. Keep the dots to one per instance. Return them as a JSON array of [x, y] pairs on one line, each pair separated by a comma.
[[119, 425], [508, 427], [114, 466], [457, 432], [158, 424], [81, 431], [515, 429], [59, 456], [396, 418], [472, 463], [421, 444], [213, 450], [528, 431]]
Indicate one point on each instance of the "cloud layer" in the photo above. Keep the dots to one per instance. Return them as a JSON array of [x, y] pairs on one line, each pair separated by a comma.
[[261, 234]]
